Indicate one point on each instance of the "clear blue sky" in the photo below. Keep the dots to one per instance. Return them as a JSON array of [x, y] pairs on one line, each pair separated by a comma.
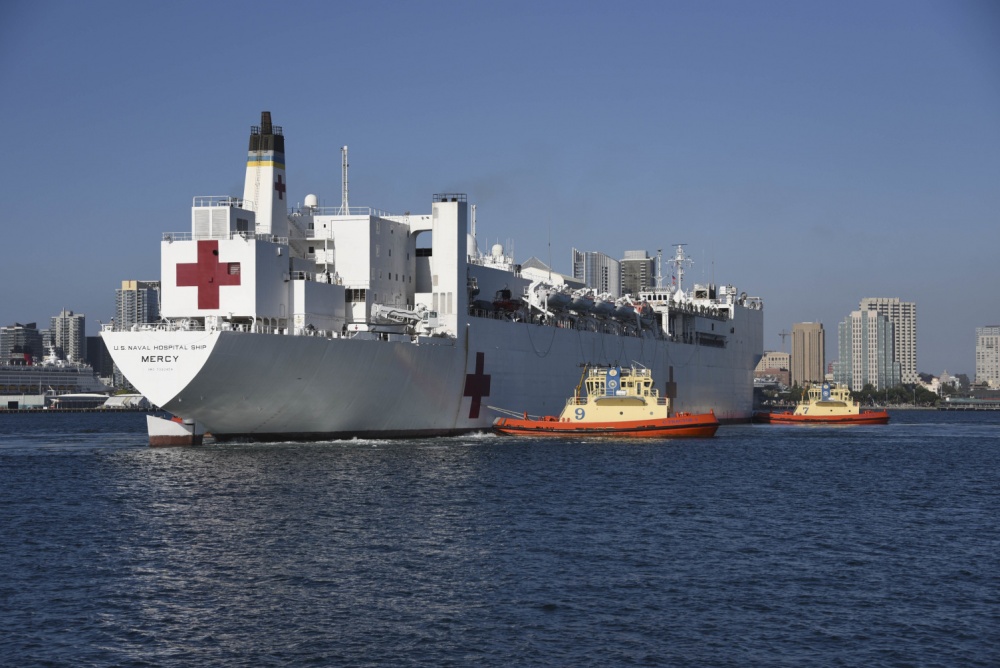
[[812, 153]]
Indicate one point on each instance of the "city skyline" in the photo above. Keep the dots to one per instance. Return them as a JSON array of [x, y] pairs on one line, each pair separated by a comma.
[[857, 142]]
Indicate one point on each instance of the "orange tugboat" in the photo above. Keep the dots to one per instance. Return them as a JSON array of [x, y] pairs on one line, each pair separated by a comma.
[[826, 404], [619, 403]]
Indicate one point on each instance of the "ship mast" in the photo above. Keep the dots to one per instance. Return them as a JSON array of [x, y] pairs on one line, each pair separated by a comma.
[[679, 261], [344, 208]]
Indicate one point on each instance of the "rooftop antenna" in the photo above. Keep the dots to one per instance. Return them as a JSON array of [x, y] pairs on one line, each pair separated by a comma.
[[659, 273], [344, 208]]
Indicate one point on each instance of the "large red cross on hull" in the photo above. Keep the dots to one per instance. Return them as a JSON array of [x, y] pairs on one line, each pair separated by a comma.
[[207, 274], [477, 385]]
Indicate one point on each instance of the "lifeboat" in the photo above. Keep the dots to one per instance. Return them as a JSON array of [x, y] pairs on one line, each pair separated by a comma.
[[505, 301], [826, 404], [619, 403], [604, 306], [624, 310], [645, 311], [582, 302], [558, 300]]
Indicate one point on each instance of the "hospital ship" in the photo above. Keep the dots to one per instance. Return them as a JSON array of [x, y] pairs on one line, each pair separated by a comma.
[[313, 323]]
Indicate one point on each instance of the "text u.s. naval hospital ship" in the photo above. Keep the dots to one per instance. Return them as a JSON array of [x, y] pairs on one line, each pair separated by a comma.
[[310, 324]]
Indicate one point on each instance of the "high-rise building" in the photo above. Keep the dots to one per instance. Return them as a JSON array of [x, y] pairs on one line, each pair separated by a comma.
[[865, 341], [637, 272], [597, 271], [808, 353], [21, 340], [137, 302], [903, 316], [988, 356], [69, 336]]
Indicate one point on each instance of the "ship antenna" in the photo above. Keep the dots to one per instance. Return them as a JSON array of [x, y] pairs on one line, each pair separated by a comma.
[[345, 210], [659, 274], [679, 261], [550, 250]]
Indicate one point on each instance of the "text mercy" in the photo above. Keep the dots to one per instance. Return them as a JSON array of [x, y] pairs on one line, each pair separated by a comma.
[[160, 358]]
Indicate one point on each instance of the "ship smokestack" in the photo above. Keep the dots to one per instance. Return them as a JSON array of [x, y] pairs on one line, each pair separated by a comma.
[[265, 183]]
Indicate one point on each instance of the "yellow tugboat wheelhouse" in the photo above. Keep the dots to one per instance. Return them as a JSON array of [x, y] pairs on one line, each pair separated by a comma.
[[619, 402]]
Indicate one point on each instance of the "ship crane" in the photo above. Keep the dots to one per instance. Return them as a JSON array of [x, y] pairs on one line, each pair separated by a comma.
[[395, 315]]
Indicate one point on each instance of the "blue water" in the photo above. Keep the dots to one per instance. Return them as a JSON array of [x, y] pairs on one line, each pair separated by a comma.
[[766, 546]]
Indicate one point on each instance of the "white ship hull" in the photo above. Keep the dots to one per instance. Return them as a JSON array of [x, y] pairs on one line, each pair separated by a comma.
[[273, 387]]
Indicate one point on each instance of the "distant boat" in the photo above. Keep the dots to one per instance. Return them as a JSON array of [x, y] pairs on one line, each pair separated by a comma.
[[620, 402], [825, 404], [25, 384]]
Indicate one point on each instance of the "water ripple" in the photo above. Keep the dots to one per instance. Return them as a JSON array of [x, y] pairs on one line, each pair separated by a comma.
[[764, 546]]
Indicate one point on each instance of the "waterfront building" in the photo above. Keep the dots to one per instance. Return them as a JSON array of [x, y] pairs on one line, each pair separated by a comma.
[[597, 271], [69, 336], [21, 340], [865, 341], [774, 365], [637, 273], [903, 316], [988, 356], [808, 353], [773, 359]]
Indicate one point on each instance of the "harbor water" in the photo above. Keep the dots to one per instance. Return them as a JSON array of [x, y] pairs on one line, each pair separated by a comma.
[[764, 546]]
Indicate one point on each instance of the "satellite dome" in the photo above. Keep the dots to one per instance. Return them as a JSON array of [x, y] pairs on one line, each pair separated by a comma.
[[497, 250], [312, 201]]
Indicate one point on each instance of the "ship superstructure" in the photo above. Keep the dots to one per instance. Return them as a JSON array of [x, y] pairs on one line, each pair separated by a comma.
[[308, 322]]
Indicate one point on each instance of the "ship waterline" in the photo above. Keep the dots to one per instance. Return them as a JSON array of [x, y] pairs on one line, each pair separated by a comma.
[[320, 388]]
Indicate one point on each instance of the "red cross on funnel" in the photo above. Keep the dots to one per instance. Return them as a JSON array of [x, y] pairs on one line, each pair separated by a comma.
[[207, 275]]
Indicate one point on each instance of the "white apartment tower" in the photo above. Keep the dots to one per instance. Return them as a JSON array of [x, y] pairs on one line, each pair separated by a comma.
[[69, 336], [865, 342], [597, 271], [988, 356], [137, 302], [903, 316]]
